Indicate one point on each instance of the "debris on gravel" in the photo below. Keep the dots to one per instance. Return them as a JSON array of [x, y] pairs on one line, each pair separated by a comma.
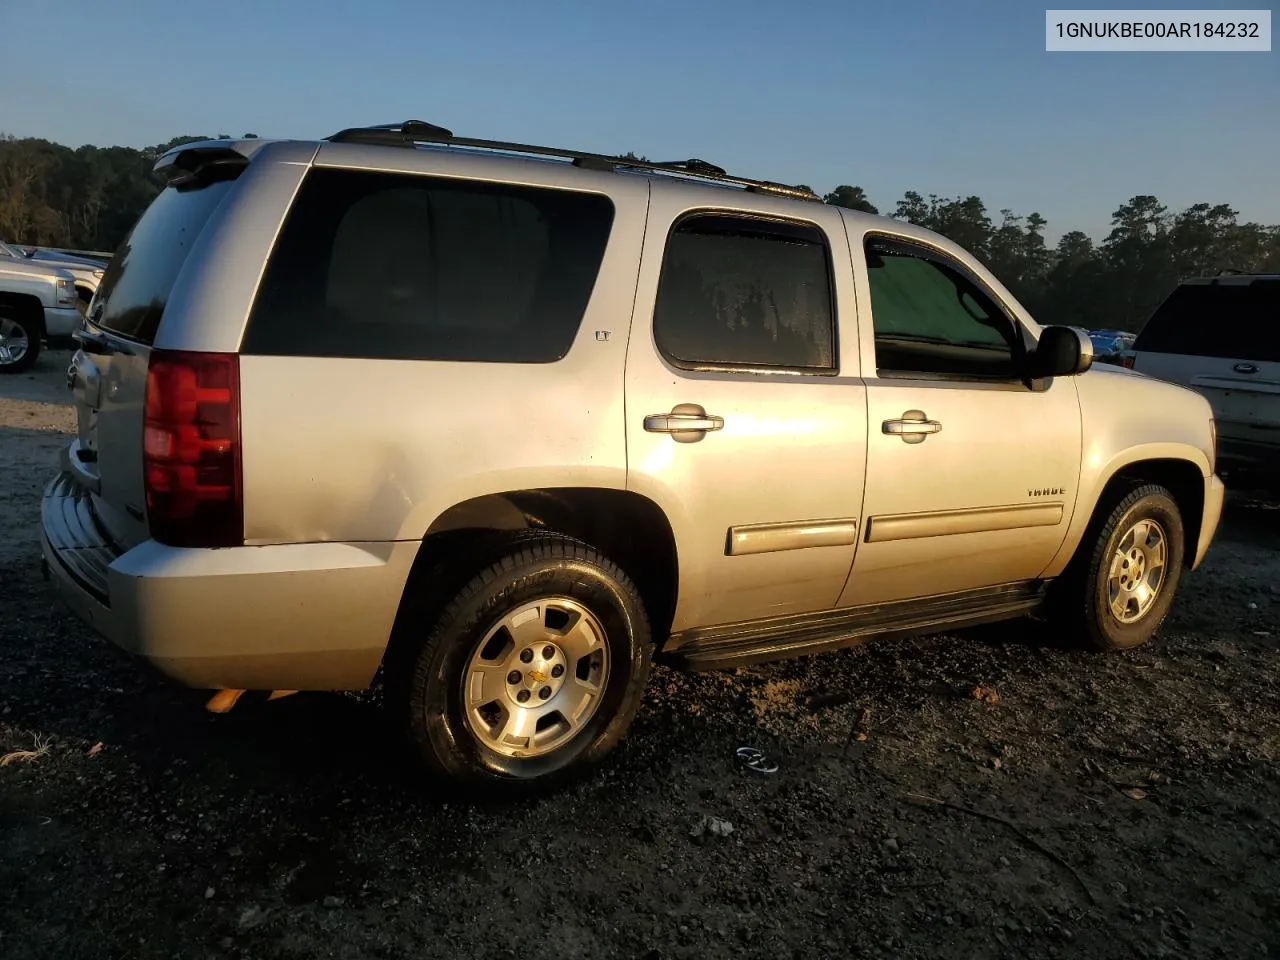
[[711, 826]]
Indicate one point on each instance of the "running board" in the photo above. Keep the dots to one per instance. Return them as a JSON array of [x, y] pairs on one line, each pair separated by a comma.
[[779, 638]]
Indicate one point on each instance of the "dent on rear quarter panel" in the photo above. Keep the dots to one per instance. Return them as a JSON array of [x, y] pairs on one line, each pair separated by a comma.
[[360, 450], [367, 450]]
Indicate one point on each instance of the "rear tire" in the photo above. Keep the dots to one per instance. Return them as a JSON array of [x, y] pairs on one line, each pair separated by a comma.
[[531, 674], [1118, 589], [19, 343]]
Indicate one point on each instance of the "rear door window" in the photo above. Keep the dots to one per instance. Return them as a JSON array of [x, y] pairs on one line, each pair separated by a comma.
[[136, 286], [740, 291], [1234, 321], [410, 267]]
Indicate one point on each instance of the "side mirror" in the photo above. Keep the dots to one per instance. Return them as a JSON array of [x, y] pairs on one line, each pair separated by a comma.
[[1061, 352]]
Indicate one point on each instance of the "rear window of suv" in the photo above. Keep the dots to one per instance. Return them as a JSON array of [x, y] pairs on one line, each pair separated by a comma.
[[410, 267], [1232, 320], [136, 286]]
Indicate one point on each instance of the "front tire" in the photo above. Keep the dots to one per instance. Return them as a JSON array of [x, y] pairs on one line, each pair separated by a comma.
[[19, 344], [529, 675], [1123, 581]]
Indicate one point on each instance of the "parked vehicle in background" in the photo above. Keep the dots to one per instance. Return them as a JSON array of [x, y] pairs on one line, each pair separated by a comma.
[[499, 424], [87, 272], [1221, 337], [1110, 346], [38, 303]]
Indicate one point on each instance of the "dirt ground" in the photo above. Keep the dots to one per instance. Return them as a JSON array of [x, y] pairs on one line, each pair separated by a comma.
[[1077, 806]]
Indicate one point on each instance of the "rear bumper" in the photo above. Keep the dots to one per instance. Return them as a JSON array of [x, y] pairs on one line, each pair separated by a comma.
[[313, 616], [1214, 493]]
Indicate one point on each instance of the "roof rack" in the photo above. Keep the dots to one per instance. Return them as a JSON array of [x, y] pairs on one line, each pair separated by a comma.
[[412, 132]]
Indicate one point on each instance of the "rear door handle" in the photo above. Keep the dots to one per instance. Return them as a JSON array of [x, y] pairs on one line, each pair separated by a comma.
[[679, 422], [912, 428], [686, 423]]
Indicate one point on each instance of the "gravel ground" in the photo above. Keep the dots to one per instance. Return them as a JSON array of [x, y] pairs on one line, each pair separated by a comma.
[[976, 795]]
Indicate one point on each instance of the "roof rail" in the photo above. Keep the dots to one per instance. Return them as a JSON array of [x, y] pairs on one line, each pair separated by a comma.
[[412, 132]]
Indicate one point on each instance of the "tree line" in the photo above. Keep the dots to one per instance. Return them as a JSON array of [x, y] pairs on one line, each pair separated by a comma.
[[1112, 285], [88, 198]]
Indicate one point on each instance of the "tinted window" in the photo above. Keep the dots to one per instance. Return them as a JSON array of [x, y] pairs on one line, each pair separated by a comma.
[[741, 291], [137, 282], [397, 266], [1229, 320], [929, 317]]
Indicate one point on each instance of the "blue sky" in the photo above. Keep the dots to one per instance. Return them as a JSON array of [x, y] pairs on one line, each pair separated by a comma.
[[946, 98]]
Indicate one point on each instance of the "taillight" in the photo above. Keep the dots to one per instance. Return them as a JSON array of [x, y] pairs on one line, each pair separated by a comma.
[[1126, 360], [191, 449]]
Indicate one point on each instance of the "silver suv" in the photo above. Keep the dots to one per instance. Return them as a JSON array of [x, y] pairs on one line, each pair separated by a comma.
[[494, 425]]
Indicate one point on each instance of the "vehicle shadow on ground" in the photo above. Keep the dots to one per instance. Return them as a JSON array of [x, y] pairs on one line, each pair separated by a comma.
[[334, 756], [313, 742], [1252, 515], [266, 827], [45, 382]]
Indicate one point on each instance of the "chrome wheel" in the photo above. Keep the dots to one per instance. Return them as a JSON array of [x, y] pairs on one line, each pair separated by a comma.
[[1137, 571], [536, 678], [13, 341]]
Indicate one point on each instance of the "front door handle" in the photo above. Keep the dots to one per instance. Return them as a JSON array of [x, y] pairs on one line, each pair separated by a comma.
[[912, 428], [686, 423]]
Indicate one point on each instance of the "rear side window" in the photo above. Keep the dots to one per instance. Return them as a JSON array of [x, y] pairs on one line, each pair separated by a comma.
[[136, 286], [742, 291], [409, 267], [1232, 321]]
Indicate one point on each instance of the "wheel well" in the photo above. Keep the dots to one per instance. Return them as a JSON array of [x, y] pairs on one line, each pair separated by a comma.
[[631, 530], [25, 307], [1180, 477]]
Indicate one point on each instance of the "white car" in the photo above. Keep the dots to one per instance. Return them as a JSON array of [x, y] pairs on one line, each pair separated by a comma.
[[1221, 337]]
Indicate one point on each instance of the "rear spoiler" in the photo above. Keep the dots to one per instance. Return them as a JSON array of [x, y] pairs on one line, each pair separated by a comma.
[[207, 160]]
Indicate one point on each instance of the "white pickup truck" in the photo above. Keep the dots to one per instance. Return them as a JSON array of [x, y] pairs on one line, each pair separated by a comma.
[[87, 271], [38, 302]]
